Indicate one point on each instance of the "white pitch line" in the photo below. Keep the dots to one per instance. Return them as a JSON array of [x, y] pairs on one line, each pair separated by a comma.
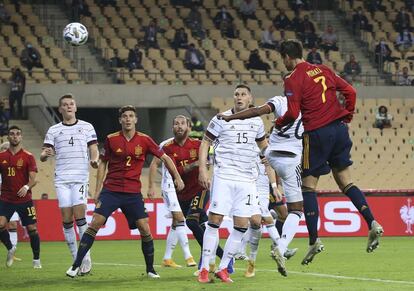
[[291, 272]]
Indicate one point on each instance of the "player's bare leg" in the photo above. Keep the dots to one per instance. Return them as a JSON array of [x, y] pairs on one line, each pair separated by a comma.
[[210, 242], [35, 245], [79, 212], [311, 210], [86, 243], [344, 181], [147, 246], [5, 239], [255, 230]]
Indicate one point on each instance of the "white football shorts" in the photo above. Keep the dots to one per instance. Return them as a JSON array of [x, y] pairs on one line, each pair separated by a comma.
[[171, 200], [288, 168], [72, 194], [262, 206], [231, 197]]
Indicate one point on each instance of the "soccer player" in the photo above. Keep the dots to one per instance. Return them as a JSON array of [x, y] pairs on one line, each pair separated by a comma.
[[122, 161], [18, 170], [311, 90], [73, 142], [233, 189], [177, 232], [284, 155], [12, 226]]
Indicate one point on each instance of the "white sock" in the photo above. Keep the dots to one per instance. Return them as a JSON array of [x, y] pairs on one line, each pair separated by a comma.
[[273, 233], [210, 242], [70, 238], [289, 230], [214, 253], [245, 240], [183, 239], [172, 240], [255, 235], [13, 237], [231, 248]]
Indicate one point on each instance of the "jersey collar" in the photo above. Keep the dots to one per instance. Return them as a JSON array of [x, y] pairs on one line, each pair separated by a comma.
[[72, 124]]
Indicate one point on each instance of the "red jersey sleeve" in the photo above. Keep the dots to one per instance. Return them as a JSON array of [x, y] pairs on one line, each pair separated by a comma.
[[294, 95], [153, 148], [31, 164]]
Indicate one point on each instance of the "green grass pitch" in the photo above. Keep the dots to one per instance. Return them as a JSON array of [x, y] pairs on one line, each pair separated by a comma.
[[119, 265]]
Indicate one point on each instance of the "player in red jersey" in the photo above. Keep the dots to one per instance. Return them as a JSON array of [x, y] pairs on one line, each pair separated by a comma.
[[18, 171], [123, 159], [311, 90]]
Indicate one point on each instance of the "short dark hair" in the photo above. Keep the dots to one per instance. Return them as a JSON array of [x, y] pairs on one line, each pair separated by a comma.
[[292, 48], [126, 108], [66, 96], [243, 86], [14, 127]]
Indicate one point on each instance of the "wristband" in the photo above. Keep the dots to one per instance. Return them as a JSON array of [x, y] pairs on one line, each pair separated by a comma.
[[26, 187], [274, 185]]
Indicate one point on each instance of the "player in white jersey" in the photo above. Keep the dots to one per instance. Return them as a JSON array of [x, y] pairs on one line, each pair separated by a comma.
[[73, 143], [177, 232], [284, 155], [233, 189]]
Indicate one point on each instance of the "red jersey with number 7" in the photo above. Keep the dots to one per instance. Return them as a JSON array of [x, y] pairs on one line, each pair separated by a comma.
[[311, 90]]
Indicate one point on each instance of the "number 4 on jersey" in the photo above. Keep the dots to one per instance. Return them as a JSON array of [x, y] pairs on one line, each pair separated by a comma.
[[71, 141]]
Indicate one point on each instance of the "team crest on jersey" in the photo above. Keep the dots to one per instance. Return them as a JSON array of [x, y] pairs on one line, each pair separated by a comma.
[[175, 155], [193, 153], [138, 150], [118, 150], [4, 162], [19, 163]]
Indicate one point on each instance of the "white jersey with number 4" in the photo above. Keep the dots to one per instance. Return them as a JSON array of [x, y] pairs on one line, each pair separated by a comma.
[[235, 147], [70, 143], [289, 138]]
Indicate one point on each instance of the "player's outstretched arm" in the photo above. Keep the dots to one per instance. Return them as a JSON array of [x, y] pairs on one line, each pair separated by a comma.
[[94, 155], [156, 162], [32, 182], [46, 153], [178, 182], [248, 113], [203, 177], [100, 176]]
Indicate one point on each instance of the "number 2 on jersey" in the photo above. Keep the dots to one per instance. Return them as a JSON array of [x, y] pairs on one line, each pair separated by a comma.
[[322, 79], [128, 161]]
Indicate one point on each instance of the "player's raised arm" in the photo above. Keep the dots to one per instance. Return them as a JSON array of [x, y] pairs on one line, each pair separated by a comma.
[[156, 162], [178, 182], [248, 113], [203, 177]]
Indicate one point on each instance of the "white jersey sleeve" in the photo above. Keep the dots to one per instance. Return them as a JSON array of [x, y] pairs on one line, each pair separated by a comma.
[[235, 147], [167, 182], [289, 138]]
